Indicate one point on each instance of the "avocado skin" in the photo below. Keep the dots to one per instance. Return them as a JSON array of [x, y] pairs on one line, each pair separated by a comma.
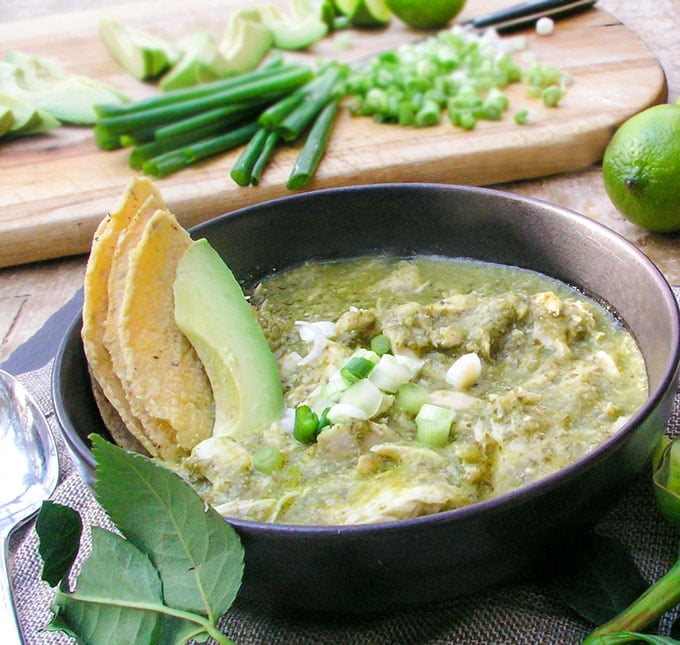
[[213, 313]]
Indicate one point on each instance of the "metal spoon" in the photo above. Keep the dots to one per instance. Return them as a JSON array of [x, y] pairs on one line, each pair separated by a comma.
[[29, 470]]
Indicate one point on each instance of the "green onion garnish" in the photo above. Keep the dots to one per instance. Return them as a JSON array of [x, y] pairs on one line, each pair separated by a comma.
[[306, 425], [267, 459], [356, 368], [433, 423], [381, 344], [411, 397]]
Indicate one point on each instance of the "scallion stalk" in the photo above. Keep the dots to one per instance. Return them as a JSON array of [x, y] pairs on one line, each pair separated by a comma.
[[209, 147], [175, 160], [242, 170], [315, 145], [190, 93], [316, 98], [265, 155], [280, 82]]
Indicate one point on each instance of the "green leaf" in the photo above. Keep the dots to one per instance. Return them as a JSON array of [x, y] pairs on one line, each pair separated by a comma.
[[59, 529], [199, 557], [666, 480], [600, 580], [117, 597]]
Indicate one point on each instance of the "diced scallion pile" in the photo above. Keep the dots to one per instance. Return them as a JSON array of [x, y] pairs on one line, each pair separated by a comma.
[[454, 73]]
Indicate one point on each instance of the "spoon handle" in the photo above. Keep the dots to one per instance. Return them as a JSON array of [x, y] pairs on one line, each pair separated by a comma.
[[11, 632]]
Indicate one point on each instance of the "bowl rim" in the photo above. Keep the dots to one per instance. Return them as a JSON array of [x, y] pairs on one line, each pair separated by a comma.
[[496, 504]]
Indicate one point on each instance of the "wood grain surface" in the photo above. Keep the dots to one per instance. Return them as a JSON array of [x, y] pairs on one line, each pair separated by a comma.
[[54, 189]]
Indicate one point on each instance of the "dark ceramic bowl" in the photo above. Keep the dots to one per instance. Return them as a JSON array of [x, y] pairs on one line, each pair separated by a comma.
[[377, 567]]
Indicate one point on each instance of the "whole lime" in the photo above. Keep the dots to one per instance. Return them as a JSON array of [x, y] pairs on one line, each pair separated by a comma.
[[426, 14], [641, 168]]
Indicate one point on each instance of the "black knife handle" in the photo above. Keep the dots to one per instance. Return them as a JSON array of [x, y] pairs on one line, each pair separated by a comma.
[[525, 14]]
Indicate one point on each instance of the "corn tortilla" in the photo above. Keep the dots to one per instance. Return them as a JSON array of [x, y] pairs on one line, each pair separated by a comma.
[[95, 306], [114, 423], [162, 366], [156, 431]]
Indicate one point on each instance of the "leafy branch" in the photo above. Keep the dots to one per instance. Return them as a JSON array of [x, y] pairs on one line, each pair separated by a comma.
[[172, 573], [605, 587]]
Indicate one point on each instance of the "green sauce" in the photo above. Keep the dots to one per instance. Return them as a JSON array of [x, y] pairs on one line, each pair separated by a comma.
[[559, 375]]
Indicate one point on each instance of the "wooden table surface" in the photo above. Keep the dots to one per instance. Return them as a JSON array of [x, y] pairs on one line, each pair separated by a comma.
[[29, 294]]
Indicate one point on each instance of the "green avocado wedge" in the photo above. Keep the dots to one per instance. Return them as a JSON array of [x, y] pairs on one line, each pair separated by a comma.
[[213, 313]]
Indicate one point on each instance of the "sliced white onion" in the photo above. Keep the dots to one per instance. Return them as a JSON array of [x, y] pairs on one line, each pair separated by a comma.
[[390, 373], [364, 396], [316, 333], [411, 361], [344, 411], [464, 372]]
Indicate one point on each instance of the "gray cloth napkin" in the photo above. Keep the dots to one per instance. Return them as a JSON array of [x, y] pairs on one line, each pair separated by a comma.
[[522, 613]]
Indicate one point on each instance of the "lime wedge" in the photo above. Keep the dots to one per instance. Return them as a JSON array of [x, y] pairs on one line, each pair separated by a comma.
[[365, 13]]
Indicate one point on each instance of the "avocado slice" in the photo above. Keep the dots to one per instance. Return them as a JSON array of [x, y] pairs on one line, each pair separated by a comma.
[[198, 51], [6, 119], [27, 119], [141, 54], [292, 32], [213, 313], [245, 42], [45, 84]]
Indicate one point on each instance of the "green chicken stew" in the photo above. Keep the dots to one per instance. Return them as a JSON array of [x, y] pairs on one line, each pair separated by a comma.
[[415, 386]]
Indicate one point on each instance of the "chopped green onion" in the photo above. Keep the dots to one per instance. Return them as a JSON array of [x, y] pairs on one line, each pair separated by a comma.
[[411, 397], [323, 418], [306, 425], [267, 459], [522, 117], [453, 69], [356, 368], [381, 344], [551, 96], [433, 425], [428, 115]]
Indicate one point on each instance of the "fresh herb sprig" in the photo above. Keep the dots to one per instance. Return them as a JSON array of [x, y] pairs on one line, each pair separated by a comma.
[[169, 576]]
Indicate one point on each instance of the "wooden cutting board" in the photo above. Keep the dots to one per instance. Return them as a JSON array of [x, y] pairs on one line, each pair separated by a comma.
[[55, 188]]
